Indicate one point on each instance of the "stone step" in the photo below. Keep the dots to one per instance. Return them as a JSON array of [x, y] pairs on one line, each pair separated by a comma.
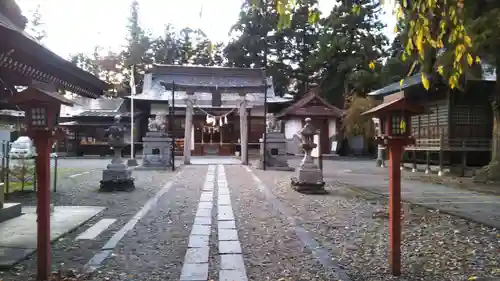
[[10, 211]]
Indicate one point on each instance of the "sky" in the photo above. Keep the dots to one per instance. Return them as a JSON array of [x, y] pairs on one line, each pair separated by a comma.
[[74, 26]]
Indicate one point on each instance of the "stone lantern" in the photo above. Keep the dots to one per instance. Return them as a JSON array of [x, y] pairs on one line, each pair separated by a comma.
[[309, 175], [117, 176]]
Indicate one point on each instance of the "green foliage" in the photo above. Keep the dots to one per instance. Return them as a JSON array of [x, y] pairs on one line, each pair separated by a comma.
[[288, 49], [23, 169], [350, 50], [184, 46]]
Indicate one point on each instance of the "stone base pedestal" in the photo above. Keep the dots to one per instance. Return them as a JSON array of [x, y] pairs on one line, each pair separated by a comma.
[[309, 179], [117, 177], [157, 151], [276, 156], [307, 187], [132, 162], [10, 211]]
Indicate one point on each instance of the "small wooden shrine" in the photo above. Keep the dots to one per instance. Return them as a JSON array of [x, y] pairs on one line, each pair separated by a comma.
[[86, 122], [324, 115]]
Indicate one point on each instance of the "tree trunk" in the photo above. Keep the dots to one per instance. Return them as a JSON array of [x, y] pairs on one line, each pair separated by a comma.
[[491, 172], [495, 142]]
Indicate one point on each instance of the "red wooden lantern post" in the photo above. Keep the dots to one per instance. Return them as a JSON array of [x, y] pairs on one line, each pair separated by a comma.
[[394, 132], [41, 113]]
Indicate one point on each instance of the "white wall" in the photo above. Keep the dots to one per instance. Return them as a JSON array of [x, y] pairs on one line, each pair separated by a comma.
[[332, 127], [292, 127]]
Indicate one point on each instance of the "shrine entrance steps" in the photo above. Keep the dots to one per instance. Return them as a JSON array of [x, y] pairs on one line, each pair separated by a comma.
[[215, 160]]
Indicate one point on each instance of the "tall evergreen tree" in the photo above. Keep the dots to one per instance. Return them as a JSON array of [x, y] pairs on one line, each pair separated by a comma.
[[349, 43], [288, 49], [36, 25], [136, 51]]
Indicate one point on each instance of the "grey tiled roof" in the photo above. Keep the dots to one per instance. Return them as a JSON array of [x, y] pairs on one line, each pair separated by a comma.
[[157, 92], [488, 74], [82, 104], [105, 114], [203, 80], [7, 23], [397, 86]]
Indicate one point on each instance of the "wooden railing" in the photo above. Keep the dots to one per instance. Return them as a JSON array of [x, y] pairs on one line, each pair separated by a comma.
[[458, 144]]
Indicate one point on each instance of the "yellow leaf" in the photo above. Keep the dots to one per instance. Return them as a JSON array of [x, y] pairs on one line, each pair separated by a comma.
[[401, 83], [472, 278], [440, 70], [478, 60], [402, 126], [396, 30], [468, 41], [371, 65], [470, 60], [425, 82], [452, 82]]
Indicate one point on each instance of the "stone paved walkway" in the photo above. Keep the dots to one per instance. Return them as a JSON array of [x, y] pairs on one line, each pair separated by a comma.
[[212, 224]]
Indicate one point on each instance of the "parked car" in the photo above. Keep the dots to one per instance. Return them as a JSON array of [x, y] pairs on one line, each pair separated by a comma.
[[22, 148]]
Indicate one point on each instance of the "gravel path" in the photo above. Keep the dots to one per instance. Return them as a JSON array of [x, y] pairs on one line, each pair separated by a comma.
[[68, 253], [353, 227], [155, 248], [271, 249], [349, 225]]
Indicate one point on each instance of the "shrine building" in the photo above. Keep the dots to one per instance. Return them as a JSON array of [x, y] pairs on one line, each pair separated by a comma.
[[215, 103]]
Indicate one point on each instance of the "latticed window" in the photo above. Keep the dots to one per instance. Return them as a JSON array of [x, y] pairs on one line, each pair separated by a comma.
[[38, 116], [399, 125]]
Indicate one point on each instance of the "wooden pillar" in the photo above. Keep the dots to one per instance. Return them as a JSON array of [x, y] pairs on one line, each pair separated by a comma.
[[43, 144], [187, 128], [414, 161], [395, 155], [402, 160], [441, 155], [244, 130], [464, 158], [427, 161], [249, 124], [380, 156]]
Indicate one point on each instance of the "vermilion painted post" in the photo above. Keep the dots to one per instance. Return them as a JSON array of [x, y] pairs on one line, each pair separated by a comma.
[[395, 151], [43, 146]]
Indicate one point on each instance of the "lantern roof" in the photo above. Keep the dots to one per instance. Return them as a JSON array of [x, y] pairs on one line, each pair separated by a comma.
[[35, 95], [312, 104], [23, 59], [399, 104]]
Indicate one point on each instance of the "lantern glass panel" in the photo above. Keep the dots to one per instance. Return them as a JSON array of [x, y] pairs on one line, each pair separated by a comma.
[[399, 124], [39, 116]]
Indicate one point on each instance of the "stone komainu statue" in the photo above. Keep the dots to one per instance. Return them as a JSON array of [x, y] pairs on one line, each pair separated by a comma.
[[272, 124], [157, 124]]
